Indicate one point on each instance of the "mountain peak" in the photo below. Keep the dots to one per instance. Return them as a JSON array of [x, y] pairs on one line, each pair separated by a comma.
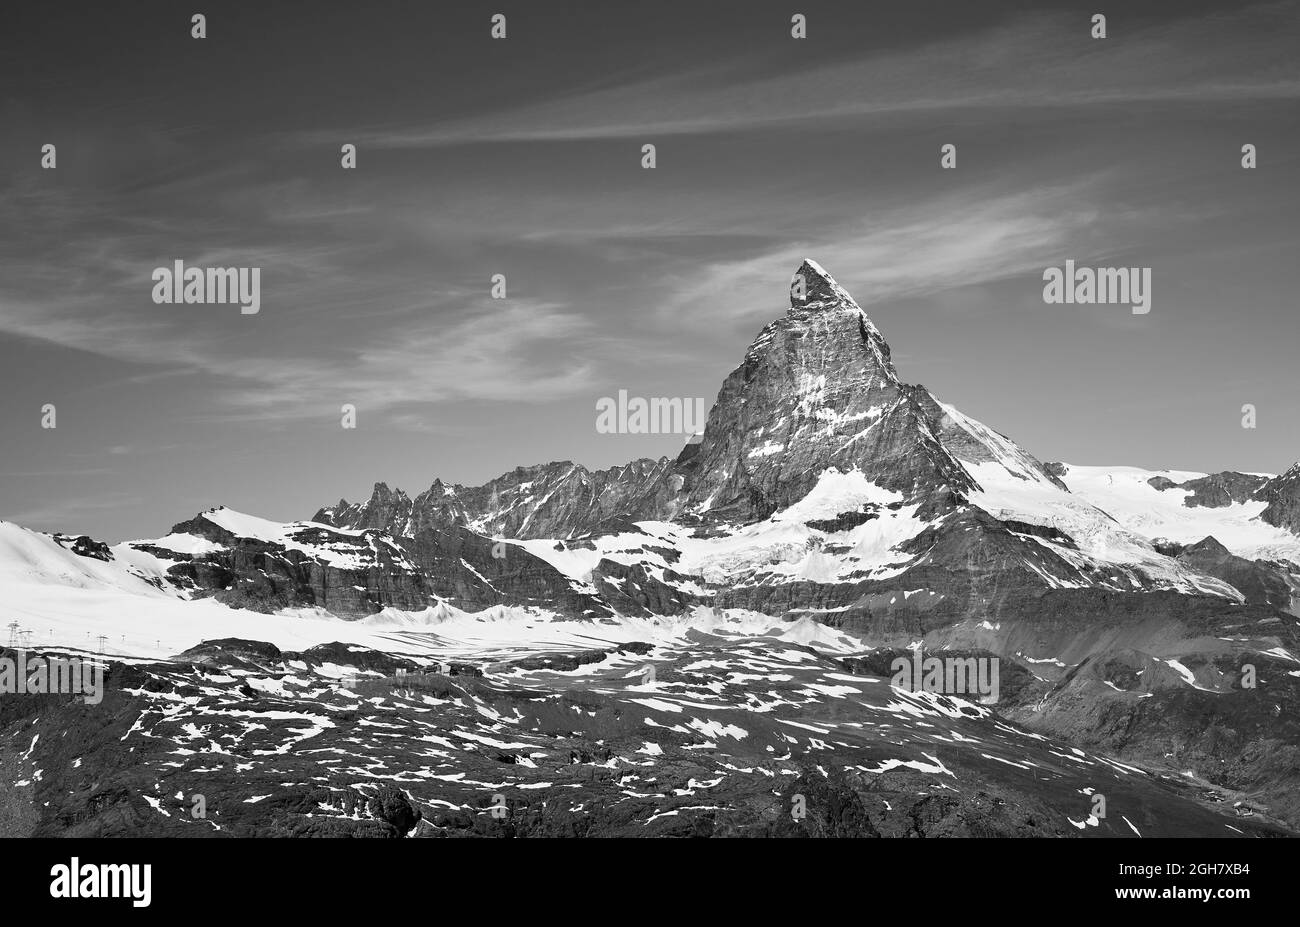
[[811, 269], [1282, 493], [813, 287]]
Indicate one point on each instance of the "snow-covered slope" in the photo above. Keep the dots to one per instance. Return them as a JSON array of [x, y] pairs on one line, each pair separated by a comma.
[[35, 559], [1095, 538], [1129, 496], [68, 600]]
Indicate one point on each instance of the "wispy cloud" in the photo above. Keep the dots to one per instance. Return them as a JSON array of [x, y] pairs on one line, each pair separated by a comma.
[[516, 351], [942, 243], [1048, 60]]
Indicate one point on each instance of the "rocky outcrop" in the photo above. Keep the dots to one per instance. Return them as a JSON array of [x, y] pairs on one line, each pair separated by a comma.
[[390, 805], [85, 546], [1215, 490], [1282, 495], [1260, 582], [634, 589]]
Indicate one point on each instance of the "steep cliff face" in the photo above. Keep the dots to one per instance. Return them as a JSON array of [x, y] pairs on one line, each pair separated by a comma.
[[816, 390]]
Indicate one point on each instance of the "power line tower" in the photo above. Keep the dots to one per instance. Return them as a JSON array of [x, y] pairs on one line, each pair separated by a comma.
[[102, 642], [14, 634]]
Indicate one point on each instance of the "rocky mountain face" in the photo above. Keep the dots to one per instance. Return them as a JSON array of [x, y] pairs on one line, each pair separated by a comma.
[[1282, 498], [1215, 490], [552, 500], [357, 573], [1260, 582], [1280, 494], [817, 390]]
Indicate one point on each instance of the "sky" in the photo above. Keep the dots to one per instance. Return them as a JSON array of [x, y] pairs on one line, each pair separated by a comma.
[[523, 157]]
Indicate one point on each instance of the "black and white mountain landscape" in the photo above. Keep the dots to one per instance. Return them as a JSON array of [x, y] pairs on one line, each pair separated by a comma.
[[688, 646], [256, 259]]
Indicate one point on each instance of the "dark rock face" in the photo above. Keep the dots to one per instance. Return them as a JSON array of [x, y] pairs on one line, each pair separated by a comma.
[[843, 521], [1055, 469], [1013, 678], [572, 660], [84, 546], [351, 576], [1282, 494], [633, 589], [460, 566], [390, 805], [363, 658], [837, 808], [1215, 490], [1240, 742], [234, 653], [1260, 582], [238, 653]]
